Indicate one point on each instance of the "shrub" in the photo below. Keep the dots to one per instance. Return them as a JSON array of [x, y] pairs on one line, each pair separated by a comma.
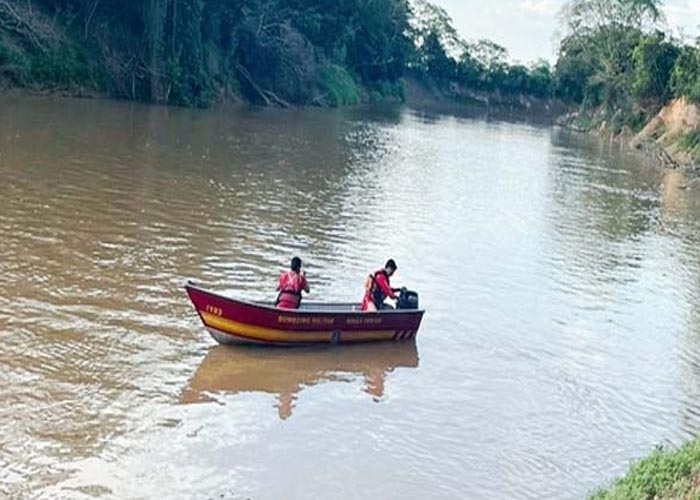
[[336, 87], [663, 474]]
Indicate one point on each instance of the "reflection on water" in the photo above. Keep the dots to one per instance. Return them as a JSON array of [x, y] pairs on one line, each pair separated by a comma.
[[285, 372], [561, 279]]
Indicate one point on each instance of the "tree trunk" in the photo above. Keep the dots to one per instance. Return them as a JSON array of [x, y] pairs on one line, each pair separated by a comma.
[[155, 15]]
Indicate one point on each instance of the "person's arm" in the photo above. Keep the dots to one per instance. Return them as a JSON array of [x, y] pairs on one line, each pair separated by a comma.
[[304, 283], [279, 284], [383, 285]]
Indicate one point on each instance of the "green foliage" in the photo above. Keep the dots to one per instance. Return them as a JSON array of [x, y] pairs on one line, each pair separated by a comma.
[[490, 58], [607, 59], [336, 87], [429, 19], [685, 76], [584, 121], [663, 474], [480, 66], [469, 70], [593, 15], [189, 52], [654, 59], [15, 65], [435, 61], [574, 71], [382, 47], [690, 143], [612, 59], [387, 90], [191, 83], [64, 67], [541, 81]]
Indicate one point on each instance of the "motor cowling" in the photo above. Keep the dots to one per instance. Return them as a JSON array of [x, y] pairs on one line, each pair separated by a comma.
[[408, 299]]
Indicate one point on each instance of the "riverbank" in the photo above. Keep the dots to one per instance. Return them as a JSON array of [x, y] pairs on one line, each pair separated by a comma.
[[425, 95], [665, 474], [671, 136], [198, 54], [675, 132], [414, 93]]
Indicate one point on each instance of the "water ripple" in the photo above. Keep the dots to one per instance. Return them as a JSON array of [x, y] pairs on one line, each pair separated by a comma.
[[560, 278]]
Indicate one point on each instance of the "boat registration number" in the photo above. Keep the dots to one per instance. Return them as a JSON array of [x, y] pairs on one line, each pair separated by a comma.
[[364, 321], [216, 311]]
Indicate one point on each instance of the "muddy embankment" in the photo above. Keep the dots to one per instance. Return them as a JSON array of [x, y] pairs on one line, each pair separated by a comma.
[[673, 135], [425, 95]]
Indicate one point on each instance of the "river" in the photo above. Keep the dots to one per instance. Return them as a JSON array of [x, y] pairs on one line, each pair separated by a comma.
[[559, 275]]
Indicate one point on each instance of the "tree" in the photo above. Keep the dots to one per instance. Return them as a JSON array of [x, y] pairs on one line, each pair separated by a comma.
[[653, 59], [435, 61], [594, 15], [541, 79], [491, 58], [380, 46], [573, 72], [469, 70], [598, 48], [685, 76]]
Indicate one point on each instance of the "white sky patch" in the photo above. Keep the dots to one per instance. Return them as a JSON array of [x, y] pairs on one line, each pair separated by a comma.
[[527, 28], [547, 8], [683, 18]]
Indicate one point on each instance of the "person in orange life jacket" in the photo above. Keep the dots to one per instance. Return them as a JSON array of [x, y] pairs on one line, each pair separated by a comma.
[[378, 288], [290, 286]]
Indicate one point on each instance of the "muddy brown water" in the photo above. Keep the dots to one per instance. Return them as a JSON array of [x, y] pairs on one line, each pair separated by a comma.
[[559, 275]]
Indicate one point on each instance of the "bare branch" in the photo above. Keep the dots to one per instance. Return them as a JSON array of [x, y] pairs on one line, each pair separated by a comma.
[[22, 20]]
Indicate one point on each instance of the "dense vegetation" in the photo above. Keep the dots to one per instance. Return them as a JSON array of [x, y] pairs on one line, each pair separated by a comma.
[[663, 474], [193, 52], [618, 64], [614, 58]]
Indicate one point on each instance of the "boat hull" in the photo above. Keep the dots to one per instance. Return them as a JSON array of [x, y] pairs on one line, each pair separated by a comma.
[[233, 321]]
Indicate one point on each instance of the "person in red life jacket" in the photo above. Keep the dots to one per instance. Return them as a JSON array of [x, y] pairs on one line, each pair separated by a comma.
[[290, 286], [378, 288]]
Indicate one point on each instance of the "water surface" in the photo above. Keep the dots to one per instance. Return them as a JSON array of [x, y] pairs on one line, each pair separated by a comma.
[[559, 275]]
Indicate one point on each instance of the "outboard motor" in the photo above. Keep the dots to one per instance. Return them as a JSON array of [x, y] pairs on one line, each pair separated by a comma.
[[408, 299]]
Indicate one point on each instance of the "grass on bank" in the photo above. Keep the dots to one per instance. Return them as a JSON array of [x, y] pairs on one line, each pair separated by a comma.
[[665, 474], [690, 143], [337, 87], [64, 66]]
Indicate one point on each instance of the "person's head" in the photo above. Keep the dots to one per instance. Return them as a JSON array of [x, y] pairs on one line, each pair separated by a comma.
[[296, 264], [390, 267]]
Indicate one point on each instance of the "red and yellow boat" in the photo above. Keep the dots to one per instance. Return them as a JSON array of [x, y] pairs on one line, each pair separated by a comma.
[[233, 321]]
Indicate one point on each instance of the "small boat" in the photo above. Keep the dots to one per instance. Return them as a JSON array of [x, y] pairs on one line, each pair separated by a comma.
[[234, 321]]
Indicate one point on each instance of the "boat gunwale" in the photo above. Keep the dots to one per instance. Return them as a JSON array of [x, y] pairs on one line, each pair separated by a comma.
[[302, 311]]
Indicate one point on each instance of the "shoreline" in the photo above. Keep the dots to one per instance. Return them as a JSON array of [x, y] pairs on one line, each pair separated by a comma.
[[670, 138], [660, 140], [663, 474], [418, 97]]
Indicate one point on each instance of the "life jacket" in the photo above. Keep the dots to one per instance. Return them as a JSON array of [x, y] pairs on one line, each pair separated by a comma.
[[293, 279], [373, 290]]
